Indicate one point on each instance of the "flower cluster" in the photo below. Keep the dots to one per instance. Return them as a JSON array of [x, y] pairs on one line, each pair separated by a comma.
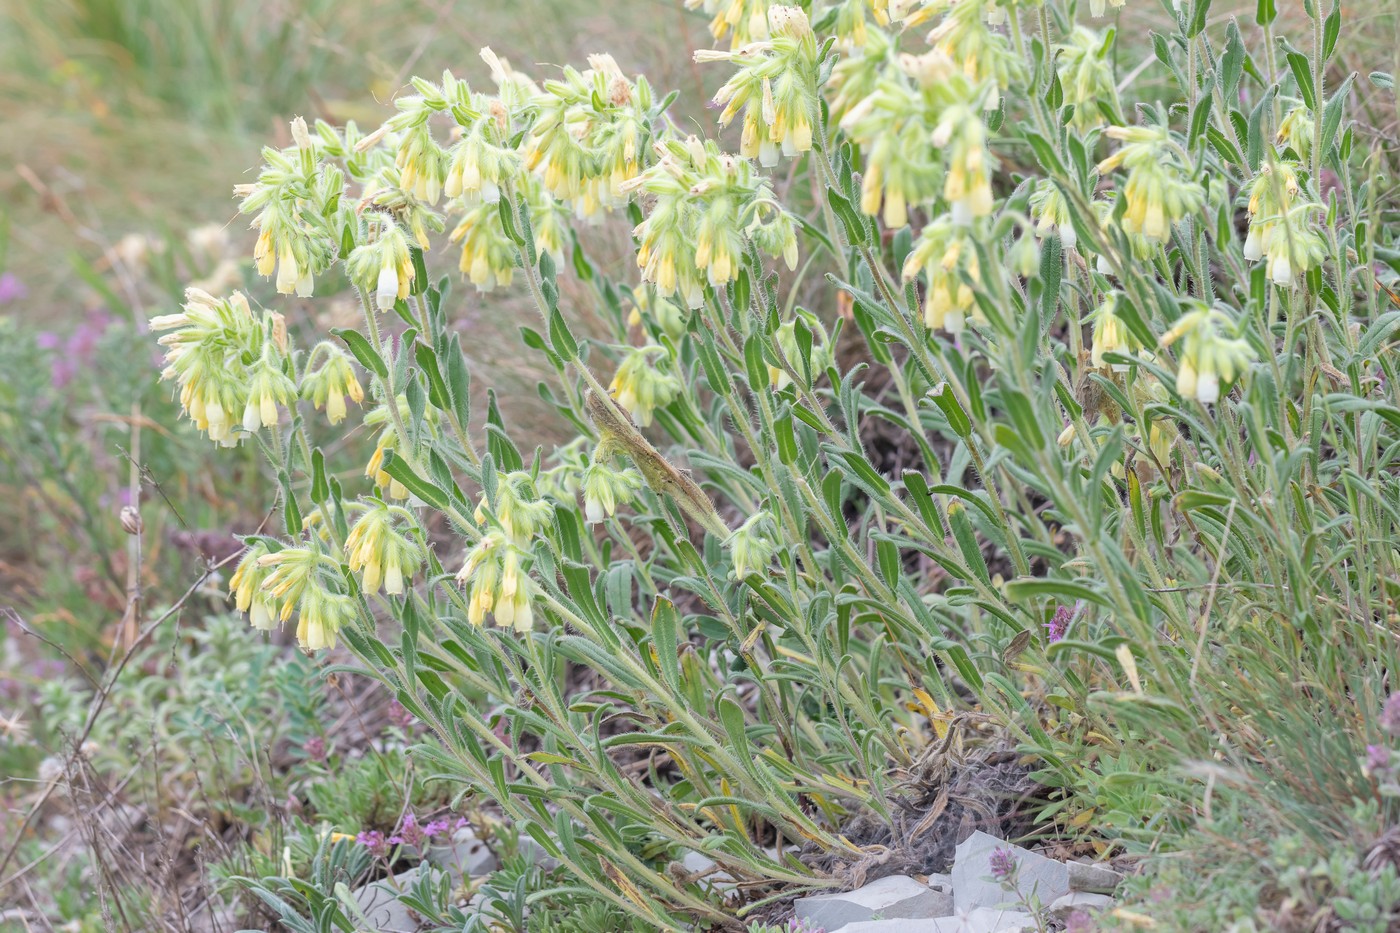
[[945, 253], [383, 267], [1280, 228], [776, 87], [591, 136], [228, 363], [706, 206], [1050, 211], [381, 550], [605, 486], [926, 100], [744, 21], [1157, 192], [984, 56], [1086, 77], [332, 383], [1297, 129], [753, 544], [1003, 866], [271, 585], [641, 386], [494, 572], [1208, 358], [786, 339], [298, 214]]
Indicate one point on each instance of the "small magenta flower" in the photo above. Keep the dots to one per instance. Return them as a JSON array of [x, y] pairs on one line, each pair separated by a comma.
[[1390, 715], [398, 715], [1377, 760], [1002, 865], [315, 748], [1078, 921], [1058, 624], [11, 288], [374, 841], [412, 833]]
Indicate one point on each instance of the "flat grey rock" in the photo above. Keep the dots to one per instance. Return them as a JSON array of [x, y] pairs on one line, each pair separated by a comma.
[[892, 926], [973, 887], [1096, 879], [981, 920], [1086, 901], [465, 856], [381, 905], [697, 863], [536, 853], [897, 897]]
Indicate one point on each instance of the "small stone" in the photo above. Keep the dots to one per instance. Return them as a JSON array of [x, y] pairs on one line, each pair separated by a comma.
[[973, 887], [1096, 879], [896, 897], [466, 855], [940, 882], [1087, 901]]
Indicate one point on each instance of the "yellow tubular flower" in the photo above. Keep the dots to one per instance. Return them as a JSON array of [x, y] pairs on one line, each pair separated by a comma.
[[381, 552]]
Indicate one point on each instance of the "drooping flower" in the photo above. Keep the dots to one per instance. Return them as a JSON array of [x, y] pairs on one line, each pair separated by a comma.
[[1157, 192], [384, 267], [753, 545], [605, 487], [330, 385], [381, 550], [245, 586], [944, 253], [641, 386], [1111, 335], [1208, 358], [776, 87]]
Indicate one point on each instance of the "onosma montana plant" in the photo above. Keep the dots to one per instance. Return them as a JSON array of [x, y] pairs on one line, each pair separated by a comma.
[[955, 392]]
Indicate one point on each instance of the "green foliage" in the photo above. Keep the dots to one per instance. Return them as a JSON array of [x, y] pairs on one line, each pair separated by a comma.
[[1111, 461]]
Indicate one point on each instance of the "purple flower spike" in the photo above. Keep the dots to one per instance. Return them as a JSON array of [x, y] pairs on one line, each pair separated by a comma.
[[1059, 623], [1002, 865], [374, 841]]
